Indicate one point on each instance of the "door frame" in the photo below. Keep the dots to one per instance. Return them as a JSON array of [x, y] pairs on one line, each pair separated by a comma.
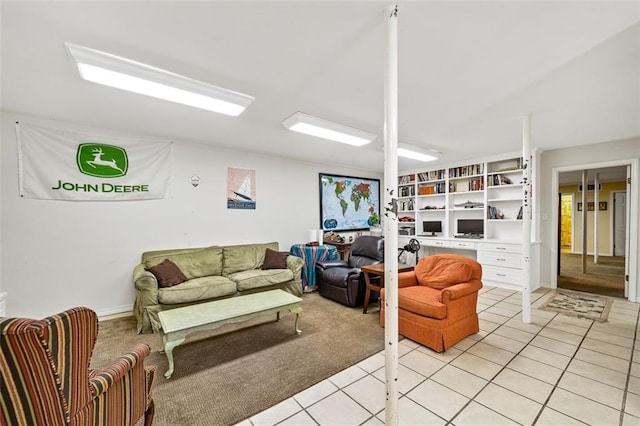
[[631, 255], [613, 220]]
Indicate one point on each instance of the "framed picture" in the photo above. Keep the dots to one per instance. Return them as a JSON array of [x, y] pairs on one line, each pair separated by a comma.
[[348, 203], [589, 206], [602, 205], [241, 188]]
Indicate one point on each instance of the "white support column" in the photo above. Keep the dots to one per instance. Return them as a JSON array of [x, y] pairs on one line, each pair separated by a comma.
[[585, 184], [526, 219], [596, 217], [391, 218]]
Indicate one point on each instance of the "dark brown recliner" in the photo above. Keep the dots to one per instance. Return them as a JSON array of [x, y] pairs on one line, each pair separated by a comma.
[[341, 280]]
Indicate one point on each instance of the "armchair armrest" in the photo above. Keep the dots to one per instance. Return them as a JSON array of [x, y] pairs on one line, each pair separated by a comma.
[[332, 264], [407, 279], [102, 379], [458, 291]]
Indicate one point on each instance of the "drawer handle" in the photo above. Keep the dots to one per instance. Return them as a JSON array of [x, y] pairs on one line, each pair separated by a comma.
[[501, 248], [501, 275], [499, 259]]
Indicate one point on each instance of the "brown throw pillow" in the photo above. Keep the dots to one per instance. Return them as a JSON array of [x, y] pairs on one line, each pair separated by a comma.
[[167, 273], [275, 259]]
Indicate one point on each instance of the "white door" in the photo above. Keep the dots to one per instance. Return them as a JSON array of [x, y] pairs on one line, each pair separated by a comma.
[[619, 223]]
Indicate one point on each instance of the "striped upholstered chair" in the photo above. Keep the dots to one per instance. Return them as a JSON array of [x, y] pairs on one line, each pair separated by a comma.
[[45, 377]]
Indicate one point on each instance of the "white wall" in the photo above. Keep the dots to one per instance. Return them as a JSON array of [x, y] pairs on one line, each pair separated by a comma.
[[58, 254], [619, 151]]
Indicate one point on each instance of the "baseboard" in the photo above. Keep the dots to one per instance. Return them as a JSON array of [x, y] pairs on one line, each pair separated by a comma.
[[3, 304], [115, 312]]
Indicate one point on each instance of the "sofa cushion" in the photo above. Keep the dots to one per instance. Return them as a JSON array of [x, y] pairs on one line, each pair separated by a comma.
[[440, 273], [422, 300], [257, 278], [275, 259], [245, 257], [196, 290], [194, 264], [167, 273]]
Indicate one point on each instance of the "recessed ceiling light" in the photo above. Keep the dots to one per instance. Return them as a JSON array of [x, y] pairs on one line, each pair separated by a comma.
[[314, 126], [121, 73]]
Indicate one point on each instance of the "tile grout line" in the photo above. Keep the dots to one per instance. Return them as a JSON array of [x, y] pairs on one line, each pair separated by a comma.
[[490, 381], [446, 364], [626, 386], [453, 359], [564, 370], [447, 422]]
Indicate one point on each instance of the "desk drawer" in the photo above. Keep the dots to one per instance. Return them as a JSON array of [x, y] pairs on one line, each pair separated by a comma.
[[467, 245], [509, 260], [434, 243], [503, 275], [499, 247]]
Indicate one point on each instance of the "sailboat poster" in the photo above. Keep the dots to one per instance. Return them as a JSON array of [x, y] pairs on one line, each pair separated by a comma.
[[241, 189]]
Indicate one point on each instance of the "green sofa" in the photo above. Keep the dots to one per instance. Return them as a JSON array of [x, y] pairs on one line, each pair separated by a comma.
[[212, 273]]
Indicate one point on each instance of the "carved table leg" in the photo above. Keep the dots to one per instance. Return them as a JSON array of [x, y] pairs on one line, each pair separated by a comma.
[[168, 350], [298, 312]]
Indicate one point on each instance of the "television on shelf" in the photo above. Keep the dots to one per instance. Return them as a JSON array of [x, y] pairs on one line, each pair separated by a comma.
[[471, 227], [431, 227]]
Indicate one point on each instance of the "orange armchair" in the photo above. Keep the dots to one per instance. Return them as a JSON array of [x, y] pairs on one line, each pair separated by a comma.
[[437, 301], [45, 377]]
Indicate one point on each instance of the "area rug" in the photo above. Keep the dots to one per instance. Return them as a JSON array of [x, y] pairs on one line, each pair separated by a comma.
[[578, 304], [229, 374]]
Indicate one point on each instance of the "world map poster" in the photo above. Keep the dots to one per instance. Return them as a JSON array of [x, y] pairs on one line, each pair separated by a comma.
[[348, 202]]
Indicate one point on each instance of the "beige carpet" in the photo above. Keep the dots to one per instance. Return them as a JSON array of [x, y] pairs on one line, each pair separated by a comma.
[[605, 277], [226, 375]]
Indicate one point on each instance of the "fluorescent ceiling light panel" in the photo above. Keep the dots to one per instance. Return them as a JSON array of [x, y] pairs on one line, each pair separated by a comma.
[[314, 126], [414, 153], [121, 73]]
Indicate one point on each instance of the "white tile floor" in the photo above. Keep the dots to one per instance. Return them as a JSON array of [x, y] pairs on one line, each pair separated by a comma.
[[558, 370]]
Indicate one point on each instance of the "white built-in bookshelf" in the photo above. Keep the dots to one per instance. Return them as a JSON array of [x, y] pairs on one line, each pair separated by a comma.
[[489, 194], [491, 191]]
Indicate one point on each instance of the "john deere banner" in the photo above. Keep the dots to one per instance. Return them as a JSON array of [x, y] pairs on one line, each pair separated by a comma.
[[56, 164]]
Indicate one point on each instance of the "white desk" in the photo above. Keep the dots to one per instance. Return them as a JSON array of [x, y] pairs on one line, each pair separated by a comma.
[[502, 261]]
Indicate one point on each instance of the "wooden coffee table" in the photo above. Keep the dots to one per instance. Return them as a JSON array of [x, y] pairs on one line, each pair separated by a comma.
[[378, 270], [180, 322]]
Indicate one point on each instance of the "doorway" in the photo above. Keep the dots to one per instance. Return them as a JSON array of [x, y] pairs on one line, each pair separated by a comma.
[[581, 270], [566, 223]]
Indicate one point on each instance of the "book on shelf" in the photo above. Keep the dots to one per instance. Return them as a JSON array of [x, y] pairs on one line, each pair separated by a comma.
[[469, 170], [436, 188], [432, 175], [499, 180], [407, 191], [519, 213], [492, 212], [406, 179]]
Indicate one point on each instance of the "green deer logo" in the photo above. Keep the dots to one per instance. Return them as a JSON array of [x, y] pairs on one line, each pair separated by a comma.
[[105, 161]]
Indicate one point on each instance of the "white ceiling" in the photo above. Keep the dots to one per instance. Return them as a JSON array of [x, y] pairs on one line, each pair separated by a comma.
[[468, 71]]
